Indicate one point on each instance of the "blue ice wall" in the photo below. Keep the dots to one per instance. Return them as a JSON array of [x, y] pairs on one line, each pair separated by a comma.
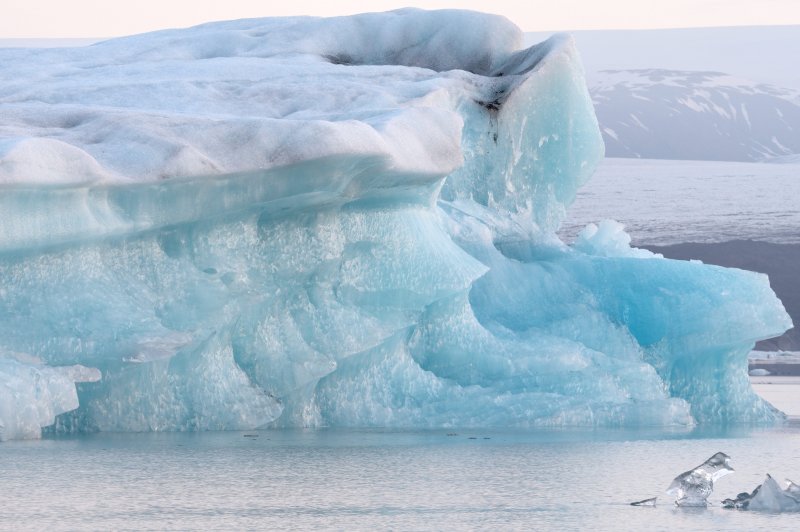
[[355, 290]]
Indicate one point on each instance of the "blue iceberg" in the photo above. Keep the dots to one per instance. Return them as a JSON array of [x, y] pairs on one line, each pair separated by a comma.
[[338, 222]]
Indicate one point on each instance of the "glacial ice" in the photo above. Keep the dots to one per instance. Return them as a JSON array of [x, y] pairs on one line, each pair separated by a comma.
[[33, 394], [692, 488], [768, 497], [337, 222]]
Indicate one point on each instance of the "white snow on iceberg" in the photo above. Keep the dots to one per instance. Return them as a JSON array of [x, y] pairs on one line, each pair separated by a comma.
[[347, 221]]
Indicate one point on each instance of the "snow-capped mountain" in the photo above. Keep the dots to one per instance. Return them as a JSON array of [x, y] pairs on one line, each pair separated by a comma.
[[671, 114], [687, 110]]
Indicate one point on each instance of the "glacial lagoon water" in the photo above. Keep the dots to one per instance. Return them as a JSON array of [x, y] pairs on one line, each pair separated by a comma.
[[400, 480], [670, 202]]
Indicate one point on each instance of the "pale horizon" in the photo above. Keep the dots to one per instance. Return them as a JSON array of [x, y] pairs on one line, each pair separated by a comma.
[[54, 19]]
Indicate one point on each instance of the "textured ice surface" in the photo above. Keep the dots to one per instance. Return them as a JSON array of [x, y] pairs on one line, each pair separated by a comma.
[[728, 216], [768, 497], [692, 488], [33, 394], [342, 222]]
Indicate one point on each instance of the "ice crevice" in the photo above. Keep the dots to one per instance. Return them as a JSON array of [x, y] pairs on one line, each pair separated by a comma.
[[338, 222]]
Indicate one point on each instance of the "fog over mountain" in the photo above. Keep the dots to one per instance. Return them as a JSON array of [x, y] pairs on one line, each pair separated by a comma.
[[764, 54], [730, 94]]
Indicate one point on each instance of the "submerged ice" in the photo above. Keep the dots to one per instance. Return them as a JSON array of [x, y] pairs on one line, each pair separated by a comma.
[[337, 222]]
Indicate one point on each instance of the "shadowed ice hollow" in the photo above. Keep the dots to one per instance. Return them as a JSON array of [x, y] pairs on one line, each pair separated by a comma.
[[337, 222]]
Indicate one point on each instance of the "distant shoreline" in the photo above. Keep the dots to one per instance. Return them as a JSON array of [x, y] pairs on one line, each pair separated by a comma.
[[776, 369]]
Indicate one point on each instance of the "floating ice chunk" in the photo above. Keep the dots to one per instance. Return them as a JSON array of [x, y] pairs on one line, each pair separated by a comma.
[[692, 488], [793, 489], [742, 501], [646, 502], [768, 497]]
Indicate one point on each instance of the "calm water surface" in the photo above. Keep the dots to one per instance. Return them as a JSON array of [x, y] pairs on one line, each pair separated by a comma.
[[358, 480], [668, 202]]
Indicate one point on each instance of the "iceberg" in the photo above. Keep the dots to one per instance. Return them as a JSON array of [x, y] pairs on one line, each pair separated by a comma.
[[338, 222]]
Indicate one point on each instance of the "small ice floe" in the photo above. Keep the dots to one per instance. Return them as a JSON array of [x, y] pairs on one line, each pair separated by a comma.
[[768, 497], [742, 501], [692, 488], [646, 502], [759, 372]]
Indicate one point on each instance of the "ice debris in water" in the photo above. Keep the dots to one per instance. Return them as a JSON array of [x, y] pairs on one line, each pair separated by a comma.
[[768, 497], [338, 222], [692, 488], [646, 502]]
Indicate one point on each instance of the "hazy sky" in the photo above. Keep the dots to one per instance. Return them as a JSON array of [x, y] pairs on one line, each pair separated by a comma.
[[105, 18]]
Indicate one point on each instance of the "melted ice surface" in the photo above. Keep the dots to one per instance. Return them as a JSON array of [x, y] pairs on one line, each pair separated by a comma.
[[245, 95]]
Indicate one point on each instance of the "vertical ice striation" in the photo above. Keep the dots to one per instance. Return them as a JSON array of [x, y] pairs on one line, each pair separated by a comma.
[[349, 222]]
